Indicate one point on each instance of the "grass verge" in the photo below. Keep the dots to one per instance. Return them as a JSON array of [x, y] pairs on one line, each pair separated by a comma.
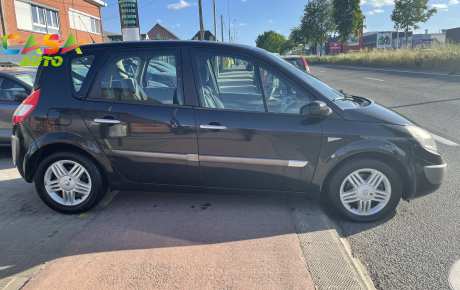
[[443, 58]]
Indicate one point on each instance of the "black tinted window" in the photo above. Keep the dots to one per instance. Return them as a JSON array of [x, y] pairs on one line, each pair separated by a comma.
[[142, 76], [9, 88], [227, 81], [80, 67]]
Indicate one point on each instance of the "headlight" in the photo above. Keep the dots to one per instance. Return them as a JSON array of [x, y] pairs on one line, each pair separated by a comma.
[[423, 137]]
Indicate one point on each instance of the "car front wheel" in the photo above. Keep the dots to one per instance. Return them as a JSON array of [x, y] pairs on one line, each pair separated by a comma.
[[69, 182], [365, 190]]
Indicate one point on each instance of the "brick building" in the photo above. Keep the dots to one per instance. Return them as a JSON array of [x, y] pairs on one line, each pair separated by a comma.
[[82, 18], [161, 32]]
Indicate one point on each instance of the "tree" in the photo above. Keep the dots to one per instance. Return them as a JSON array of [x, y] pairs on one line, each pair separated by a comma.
[[407, 13], [271, 41], [317, 21], [348, 17], [287, 46]]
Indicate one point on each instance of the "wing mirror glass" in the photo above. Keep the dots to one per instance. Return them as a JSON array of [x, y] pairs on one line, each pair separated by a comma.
[[20, 97], [319, 108]]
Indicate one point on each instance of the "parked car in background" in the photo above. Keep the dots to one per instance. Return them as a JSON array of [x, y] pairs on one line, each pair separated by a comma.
[[298, 61], [273, 129], [15, 86]]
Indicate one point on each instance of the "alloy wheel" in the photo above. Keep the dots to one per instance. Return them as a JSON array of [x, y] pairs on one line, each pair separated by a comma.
[[67, 182], [365, 192]]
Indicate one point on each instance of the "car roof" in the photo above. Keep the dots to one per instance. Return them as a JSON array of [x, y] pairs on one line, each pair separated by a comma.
[[173, 43], [17, 70]]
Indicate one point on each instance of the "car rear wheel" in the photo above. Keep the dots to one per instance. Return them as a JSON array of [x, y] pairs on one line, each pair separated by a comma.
[[69, 182], [365, 190]]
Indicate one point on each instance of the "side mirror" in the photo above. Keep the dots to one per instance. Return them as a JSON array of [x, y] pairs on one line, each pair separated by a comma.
[[319, 108], [20, 97]]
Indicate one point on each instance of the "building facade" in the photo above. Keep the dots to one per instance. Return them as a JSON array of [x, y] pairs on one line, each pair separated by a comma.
[[82, 18]]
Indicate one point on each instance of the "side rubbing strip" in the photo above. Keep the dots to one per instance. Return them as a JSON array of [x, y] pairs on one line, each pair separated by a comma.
[[176, 156], [254, 161]]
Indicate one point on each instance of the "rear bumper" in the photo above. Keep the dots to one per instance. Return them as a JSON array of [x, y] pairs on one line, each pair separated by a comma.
[[435, 173]]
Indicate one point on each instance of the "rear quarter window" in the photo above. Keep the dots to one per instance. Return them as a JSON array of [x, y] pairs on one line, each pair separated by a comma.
[[80, 67]]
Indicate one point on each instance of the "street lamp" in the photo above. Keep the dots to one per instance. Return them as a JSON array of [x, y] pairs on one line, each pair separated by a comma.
[[234, 31], [236, 39]]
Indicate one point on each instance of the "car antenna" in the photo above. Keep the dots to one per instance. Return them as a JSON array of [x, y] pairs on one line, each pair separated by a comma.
[[86, 29]]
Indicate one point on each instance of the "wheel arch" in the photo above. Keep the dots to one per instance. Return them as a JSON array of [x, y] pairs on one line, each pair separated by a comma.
[[382, 156]]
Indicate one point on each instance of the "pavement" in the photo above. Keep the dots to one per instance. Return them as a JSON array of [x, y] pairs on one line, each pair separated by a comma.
[[169, 241], [417, 247]]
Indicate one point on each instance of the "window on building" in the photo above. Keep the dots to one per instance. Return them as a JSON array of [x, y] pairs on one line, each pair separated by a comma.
[[48, 24], [84, 22]]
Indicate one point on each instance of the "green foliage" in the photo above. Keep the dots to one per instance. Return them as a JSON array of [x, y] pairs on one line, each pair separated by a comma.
[[408, 13], [348, 17], [288, 45], [317, 21], [271, 41]]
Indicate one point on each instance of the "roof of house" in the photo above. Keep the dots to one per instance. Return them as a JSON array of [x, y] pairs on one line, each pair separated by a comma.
[[164, 27], [108, 33], [206, 34]]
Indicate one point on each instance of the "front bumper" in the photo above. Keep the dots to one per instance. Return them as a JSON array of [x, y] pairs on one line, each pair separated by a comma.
[[435, 173]]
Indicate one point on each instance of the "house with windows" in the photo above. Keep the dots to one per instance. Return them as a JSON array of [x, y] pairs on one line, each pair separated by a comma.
[[161, 32], [82, 18]]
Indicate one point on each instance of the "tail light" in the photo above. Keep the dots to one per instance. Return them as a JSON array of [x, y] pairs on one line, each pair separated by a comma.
[[265, 76], [306, 65], [26, 107]]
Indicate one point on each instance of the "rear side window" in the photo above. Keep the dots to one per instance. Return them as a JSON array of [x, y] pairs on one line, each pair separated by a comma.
[[143, 76], [80, 67], [297, 62], [9, 88]]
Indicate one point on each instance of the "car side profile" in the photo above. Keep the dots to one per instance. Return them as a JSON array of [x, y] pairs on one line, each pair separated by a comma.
[[174, 116]]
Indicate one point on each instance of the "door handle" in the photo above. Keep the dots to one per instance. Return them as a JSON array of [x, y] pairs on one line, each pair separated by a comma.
[[106, 121], [213, 127]]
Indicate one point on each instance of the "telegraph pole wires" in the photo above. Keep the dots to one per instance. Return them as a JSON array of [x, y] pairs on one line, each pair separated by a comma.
[[215, 27]]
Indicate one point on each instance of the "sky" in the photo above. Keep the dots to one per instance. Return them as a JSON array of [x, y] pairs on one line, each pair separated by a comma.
[[253, 17]]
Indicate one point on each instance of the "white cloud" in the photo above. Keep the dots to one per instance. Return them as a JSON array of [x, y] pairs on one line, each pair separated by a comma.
[[374, 11], [378, 3], [242, 24], [453, 2], [244, 0], [363, 2], [279, 31], [178, 25], [270, 20], [441, 7], [172, 26], [159, 20], [180, 5]]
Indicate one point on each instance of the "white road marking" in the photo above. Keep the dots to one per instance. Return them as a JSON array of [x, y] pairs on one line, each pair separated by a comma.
[[391, 70], [321, 71], [374, 79], [444, 141]]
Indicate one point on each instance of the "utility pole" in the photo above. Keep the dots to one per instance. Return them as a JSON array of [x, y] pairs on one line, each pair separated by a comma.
[[201, 21], [215, 27], [222, 26], [229, 26], [234, 31]]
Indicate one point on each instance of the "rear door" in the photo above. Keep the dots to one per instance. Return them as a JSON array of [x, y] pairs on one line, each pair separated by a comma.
[[137, 115], [8, 88], [245, 141]]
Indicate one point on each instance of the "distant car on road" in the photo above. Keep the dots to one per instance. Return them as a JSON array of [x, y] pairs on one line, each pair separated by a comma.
[[15, 86], [298, 61]]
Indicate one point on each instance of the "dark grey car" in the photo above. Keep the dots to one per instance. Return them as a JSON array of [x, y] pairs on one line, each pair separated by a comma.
[[13, 83]]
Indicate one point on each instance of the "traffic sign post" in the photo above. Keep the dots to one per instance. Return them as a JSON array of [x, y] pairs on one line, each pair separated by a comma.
[[129, 19]]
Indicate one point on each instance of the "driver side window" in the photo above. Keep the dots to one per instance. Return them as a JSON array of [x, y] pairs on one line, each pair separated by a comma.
[[281, 95]]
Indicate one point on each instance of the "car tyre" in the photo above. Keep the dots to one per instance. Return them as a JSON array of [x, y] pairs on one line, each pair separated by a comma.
[[69, 182], [364, 190]]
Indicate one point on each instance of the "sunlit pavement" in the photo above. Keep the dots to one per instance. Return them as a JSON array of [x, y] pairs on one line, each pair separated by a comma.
[[148, 241]]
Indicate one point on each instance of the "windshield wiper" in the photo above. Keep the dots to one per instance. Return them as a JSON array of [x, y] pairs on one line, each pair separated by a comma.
[[345, 97]]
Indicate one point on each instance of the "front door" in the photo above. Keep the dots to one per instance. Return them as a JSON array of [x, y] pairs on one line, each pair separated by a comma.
[[245, 141], [135, 111]]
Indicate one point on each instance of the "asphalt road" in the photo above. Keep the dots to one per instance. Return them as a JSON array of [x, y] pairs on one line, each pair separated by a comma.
[[416, 247]]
